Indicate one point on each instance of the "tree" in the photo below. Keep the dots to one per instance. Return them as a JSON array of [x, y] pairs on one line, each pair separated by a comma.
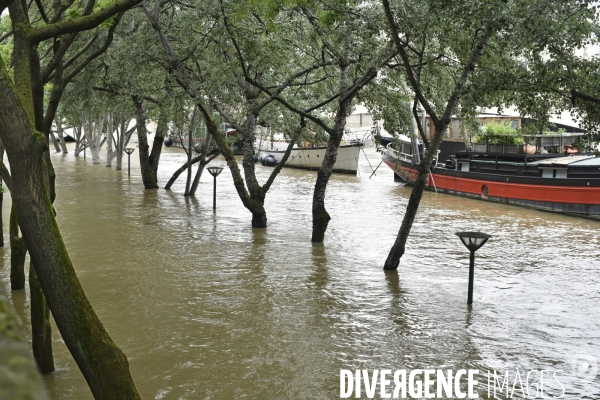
[[204, 92], [347, 38], [460, 63], [22, 130]]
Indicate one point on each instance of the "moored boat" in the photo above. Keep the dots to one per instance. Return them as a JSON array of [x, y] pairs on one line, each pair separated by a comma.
[[312, 157], [560, 182]]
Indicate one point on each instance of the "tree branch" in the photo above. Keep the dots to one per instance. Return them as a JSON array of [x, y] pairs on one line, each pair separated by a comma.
[[285, 157], [82, 23], [97, 53]]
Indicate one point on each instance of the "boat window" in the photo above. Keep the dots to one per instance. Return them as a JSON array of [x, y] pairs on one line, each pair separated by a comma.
[[406, 148]]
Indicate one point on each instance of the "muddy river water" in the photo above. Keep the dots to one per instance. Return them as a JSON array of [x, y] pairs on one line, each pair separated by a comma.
[[205, 307]]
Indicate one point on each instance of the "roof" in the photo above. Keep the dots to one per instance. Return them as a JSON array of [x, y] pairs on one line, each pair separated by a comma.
[[590, 162], [563, 161]]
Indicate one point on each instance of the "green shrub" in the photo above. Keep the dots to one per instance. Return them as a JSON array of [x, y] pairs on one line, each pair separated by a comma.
[[499, 133]]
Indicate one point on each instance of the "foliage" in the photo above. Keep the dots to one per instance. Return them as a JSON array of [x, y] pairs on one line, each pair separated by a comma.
[[499, 133]]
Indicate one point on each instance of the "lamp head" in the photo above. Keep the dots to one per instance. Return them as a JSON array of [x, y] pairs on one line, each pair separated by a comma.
[[129, 150], [473, 240], [214, 171]]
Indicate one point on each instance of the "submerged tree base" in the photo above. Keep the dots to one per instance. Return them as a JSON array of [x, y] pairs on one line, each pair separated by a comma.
[[321, 219], [259, 220]]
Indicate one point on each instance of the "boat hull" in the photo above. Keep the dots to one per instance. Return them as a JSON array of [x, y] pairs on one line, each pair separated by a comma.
[[311, 158], [580, 197]]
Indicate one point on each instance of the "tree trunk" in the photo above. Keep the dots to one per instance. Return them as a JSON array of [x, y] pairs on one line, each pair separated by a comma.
[[55, 142], [182, 169], [1, 198], [320, 215], [18, 251], [61, 138], [397, 251], [101, 362], [120, 144], [259, 216], [41, 330], [1, 219], [159, 138], [188, 181], [207, 142], [80, 142], [109, 141], [148, 177], [19, 378]]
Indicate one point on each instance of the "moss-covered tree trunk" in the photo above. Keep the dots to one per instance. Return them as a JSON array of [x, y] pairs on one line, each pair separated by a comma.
[[18, 251], [1, 219], [1, 199], [19, 378], [101, 362], [41, 330]]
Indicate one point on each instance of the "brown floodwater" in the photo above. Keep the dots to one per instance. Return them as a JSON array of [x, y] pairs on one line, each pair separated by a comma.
[[205, 307]]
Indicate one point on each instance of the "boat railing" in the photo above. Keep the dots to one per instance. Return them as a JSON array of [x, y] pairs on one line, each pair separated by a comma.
[[398, 154]]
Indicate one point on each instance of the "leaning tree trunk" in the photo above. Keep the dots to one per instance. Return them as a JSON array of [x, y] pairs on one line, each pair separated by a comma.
[[18, 251], [181, 170], [188, 181], [148, 177], [101, 362], [41, 330], [61, 138], [80, 142], [393, 260], [203, 153], [55, 142], [19, 378]]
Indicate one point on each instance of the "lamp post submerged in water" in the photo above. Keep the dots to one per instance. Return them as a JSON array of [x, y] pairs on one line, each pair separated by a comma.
[[472, 241], [129, 150], [215, 171]]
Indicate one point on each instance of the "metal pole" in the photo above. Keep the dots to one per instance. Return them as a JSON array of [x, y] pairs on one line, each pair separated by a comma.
[[128, 164], [215, 194], [471, 276]]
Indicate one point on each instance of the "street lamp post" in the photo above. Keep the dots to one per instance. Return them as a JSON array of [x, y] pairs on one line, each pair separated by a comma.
[[473, 241], [129, 150], [215, 171]]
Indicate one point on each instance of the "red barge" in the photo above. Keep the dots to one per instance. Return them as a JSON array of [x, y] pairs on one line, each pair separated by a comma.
[[553, 181]]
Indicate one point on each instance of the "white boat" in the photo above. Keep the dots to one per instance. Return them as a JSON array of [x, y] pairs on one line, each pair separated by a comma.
[[312, 157]]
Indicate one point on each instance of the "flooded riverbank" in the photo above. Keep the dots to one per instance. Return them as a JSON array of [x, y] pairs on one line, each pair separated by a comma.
[[206, 307]]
